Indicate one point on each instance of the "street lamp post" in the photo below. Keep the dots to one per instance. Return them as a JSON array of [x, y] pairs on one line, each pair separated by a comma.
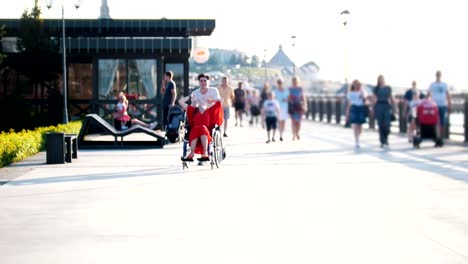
[[344, 15], [293, 42], [64, 59]]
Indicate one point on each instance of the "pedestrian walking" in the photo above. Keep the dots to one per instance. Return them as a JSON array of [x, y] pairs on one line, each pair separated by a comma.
[[384, 107], [356, 110], [270, 113], [227, 94], [281, 95], [440, 94], [296, 106]]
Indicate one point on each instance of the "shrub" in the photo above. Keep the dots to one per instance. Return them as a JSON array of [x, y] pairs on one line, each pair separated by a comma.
[[15, 146]]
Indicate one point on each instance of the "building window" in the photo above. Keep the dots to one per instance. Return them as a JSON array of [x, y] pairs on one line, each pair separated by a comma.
[[142, 79], [80, 81], [134, 77]]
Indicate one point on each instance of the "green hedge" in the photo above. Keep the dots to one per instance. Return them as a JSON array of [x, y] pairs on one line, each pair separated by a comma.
[[15, 146]]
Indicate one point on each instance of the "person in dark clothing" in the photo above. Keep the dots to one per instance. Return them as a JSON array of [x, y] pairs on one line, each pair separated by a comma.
[[169, 92], [409, 96], [239, 103], [384, 106]]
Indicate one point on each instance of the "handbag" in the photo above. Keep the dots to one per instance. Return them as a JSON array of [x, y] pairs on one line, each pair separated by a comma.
[[392, 117]]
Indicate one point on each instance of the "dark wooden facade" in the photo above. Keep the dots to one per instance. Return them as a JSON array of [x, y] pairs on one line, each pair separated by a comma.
[[127, 46]]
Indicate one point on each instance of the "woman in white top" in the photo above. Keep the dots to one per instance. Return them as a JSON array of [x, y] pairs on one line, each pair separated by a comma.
[[356, 112], [281, 95]]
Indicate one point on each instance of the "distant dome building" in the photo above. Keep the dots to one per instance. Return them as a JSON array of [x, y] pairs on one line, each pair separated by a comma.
[[308, 73], [281, 61]]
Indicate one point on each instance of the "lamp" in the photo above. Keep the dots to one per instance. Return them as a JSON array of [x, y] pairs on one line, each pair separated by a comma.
[[293, 42], [64, 62], [344, 16]]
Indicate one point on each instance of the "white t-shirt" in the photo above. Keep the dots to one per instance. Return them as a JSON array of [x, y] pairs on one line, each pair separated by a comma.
[[271, 108], [438, 92], [356, 98], [212, 95]]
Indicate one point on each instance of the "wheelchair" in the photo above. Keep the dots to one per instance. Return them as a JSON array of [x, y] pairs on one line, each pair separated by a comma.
[[216, 149]]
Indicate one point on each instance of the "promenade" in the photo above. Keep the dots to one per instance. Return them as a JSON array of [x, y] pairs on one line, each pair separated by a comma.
[[317, 200]]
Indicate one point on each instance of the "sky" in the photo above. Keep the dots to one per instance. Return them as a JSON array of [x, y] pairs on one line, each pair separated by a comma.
[[403, 40]]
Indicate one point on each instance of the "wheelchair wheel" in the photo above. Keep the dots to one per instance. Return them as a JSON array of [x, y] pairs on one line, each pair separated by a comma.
[[217, 154]]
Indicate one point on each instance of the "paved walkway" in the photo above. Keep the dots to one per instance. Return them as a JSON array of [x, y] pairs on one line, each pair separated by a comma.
[[316, 200]]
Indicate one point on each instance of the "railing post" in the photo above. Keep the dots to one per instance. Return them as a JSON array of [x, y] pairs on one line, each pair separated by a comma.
[[329, 110], [321, 109], [338, 110], [371, 118], [447, 127], [465, 115], [313, 108], [307, 113], [401, 117]]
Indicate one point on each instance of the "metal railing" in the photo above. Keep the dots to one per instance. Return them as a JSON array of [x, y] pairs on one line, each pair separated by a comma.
[[332, 109]]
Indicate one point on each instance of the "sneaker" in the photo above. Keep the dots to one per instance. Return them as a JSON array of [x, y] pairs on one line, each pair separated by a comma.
[[281, 138], [268, 141], [225, 135], [273, 140], [357, 146], [153, 125]]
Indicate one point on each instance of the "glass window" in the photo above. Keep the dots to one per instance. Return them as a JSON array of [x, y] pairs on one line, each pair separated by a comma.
[[142, 79], [178, 70], [112, 78], [80, 81]]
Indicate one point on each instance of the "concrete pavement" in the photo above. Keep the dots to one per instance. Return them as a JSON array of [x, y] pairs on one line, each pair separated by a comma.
[[317, 200]]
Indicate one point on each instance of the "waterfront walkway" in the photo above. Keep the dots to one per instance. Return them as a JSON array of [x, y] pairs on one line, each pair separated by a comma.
[[317, 200]]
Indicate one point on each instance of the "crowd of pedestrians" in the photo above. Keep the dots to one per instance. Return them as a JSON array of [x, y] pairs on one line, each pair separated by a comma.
[[382, 104], [269, 108], [274, 104]]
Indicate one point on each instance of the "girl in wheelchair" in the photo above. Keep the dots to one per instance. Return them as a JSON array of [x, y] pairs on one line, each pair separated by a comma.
[[201, 120]]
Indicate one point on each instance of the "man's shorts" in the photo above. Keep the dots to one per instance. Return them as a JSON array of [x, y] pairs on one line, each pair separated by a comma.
[[226, 112], [239, 106], [443, 112]]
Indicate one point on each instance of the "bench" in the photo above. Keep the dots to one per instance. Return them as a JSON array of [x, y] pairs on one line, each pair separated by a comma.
[[61, 147], [71, 147], [93, 121]]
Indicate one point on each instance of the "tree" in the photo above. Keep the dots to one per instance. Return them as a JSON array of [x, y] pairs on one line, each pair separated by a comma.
[[36, 46], [255, 61], [214, 59], [233, 60], [38, 64]]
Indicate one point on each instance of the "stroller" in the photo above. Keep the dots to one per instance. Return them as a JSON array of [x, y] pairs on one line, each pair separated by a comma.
[[427, 118], [175, 124]]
